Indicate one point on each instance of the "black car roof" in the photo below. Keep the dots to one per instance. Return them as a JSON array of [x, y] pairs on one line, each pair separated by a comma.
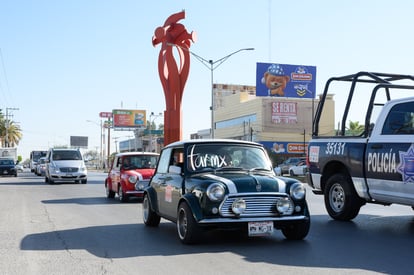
[[209, 141]]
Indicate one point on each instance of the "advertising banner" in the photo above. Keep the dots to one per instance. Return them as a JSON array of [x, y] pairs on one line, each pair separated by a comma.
[[79, 141], [285, 147], [129, 118], [284, 112], [284, 80]]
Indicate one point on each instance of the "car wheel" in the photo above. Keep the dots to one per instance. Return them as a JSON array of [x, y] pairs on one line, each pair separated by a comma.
[[84, 181], [46, 179], [109, 193], [121, 195], [187, 228], [150, 217], [291, 173], [297, 231], [341, 200]]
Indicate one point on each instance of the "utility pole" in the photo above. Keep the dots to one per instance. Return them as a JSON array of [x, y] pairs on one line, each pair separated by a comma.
[[7, 124]]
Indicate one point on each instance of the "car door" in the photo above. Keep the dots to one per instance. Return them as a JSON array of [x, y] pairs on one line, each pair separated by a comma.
[[115, 173], [167, 183], [158, 181], [390, 155]]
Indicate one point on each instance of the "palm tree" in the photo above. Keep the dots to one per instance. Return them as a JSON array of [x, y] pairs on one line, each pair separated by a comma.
[[355, 128], [10, 133]]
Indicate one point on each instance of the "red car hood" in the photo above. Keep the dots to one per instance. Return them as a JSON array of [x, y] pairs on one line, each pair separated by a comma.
[[146, 174]]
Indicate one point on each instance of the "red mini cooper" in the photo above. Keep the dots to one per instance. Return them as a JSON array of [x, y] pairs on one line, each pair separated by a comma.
[[130, 174]]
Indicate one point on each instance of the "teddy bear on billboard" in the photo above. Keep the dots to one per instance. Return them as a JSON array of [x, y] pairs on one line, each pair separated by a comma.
[[275, 80]]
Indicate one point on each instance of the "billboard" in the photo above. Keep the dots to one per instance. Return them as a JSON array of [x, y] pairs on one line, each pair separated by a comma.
[[284, 80], [79, 141], [284, 112], [129, 118], [286, 147]]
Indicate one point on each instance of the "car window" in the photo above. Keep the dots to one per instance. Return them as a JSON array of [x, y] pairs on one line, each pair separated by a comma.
[[67, 155], [202, 156], [400, 120], [164, 161], [6, 162]]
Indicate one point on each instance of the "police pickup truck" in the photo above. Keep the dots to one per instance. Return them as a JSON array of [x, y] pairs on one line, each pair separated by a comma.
[[374, 165]]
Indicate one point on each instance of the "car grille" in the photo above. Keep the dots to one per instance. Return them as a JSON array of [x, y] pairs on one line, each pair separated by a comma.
[[256, 205], [69, 169]]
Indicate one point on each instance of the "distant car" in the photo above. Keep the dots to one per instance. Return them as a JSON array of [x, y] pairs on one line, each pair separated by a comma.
[[65, 165], [284, 166], [7, 167], [223, 184], [41, 167], [299, 169], [19, 168], [278, 171], [129, 174]]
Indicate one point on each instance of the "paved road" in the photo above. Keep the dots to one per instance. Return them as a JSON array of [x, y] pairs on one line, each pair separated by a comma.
[[74, 229]]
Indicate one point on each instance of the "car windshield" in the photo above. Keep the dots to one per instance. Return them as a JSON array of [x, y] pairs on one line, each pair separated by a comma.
[[6, 162], [231, 156], [67, 155], [140, 162]]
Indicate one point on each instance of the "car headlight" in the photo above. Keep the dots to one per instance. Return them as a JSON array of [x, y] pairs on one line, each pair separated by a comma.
[[216, 191], [139, 185], [284, 206], [238, 206], [132, 179], [297, 191]]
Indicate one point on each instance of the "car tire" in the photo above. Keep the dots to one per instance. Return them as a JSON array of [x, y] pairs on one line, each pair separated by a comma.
[[297, 231], [121, 195], [109, 193], [341, 199], [84, 181], [291, 173], [149, 216], [187, 227]]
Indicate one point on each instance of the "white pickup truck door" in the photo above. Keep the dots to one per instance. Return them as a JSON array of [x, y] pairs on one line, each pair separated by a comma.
[[389, 159]]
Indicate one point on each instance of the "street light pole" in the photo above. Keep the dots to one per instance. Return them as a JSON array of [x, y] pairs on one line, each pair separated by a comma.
[[154, 116], [101, 142], [212, 65]]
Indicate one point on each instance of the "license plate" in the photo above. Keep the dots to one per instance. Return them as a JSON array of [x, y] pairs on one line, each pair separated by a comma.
[[69, 175], [260, 228]]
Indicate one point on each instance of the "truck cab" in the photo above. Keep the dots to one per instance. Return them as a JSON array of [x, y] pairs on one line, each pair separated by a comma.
[[375, 164]]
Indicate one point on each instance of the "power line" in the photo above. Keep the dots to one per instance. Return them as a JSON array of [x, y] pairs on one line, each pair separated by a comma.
[[5, 79]]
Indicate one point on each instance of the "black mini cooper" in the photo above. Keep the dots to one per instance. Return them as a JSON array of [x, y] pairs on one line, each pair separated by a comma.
[[224, 184]]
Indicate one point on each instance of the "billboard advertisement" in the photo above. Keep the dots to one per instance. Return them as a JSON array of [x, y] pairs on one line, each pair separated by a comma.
[[79, 141], [286, 147], [129, 118], [284, 80], [284, 112]]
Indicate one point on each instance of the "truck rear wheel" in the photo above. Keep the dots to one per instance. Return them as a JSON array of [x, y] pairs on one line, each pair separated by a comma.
[[341, 200]]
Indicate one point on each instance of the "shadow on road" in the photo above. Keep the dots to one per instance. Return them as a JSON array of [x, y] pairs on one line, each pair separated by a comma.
[[365, 243]]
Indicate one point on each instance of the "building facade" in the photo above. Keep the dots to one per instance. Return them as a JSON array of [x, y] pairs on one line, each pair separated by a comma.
[[281, 124]]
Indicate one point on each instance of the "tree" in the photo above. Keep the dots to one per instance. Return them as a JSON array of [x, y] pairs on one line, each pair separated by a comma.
[[10, 133], [11, 130], [354, 128]]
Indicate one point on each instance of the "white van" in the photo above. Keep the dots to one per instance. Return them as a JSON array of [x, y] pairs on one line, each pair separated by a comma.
[[65, 165]]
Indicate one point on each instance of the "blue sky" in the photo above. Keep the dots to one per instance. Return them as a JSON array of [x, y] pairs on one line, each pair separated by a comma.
[[63, 62]]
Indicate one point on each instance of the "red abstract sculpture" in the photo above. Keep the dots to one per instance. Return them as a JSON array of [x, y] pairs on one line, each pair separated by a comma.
[[173, 77]]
